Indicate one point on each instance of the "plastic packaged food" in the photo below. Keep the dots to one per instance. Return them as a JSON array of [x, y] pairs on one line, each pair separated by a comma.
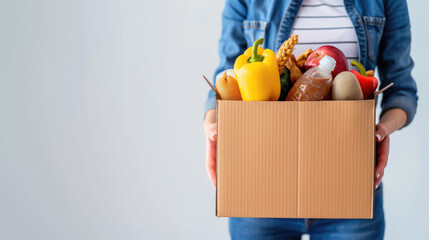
[[315, 84]]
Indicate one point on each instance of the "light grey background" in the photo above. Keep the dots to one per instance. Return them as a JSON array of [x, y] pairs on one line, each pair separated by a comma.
[[101, 131]]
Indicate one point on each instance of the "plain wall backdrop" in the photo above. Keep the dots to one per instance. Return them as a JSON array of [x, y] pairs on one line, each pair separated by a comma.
[[101, 122]]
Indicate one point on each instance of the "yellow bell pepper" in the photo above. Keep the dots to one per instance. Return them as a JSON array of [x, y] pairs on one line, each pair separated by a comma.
[[257, 74]]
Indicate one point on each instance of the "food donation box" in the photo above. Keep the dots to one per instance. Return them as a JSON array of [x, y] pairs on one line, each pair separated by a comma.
[[301, 144]]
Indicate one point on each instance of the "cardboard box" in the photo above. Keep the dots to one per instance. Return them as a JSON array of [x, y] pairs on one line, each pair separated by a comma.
[[295, 159]]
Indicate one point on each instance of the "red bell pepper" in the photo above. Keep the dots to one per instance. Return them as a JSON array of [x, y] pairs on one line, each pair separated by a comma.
[[368, 84]]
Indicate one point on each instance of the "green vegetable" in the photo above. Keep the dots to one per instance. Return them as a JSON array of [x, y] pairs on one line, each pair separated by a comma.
[[286, 84]]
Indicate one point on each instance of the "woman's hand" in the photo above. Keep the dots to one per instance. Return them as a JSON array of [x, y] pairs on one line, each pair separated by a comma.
[[390, 121], [211, 153], [383, 141], [210, 128]]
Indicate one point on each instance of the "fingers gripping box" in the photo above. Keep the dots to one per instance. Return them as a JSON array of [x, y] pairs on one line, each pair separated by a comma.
[[295, 159]]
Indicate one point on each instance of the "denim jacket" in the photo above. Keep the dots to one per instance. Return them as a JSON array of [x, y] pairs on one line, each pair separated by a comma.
[[382, 28]]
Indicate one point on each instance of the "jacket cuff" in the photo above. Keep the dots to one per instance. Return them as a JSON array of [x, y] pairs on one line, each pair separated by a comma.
[[210, 103], [405, 103]]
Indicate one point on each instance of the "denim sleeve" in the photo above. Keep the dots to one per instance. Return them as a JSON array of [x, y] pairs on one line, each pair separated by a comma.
[[231, 44], [395, 63]]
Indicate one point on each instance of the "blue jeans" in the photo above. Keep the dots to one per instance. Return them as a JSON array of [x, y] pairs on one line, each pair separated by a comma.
[[318, 229]]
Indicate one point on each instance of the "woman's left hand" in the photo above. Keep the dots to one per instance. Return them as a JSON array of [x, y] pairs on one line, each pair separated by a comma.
[[383, 141]]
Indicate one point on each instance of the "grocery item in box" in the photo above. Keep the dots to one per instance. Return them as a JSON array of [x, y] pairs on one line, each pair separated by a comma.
[[315, 84]]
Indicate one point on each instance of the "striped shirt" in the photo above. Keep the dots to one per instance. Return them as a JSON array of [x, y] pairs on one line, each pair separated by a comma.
[[325, 22]]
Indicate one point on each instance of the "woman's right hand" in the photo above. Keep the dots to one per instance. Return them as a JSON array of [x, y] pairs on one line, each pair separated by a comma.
[[211, 136], [211, 153]]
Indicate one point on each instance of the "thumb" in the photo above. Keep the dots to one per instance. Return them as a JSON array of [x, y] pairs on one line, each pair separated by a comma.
[[380, 132], [212, 133]]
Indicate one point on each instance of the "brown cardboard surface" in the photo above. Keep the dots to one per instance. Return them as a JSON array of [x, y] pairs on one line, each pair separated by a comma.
[[295, 159]]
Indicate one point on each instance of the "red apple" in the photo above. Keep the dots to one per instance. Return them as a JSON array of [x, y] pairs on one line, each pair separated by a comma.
[[340, 59]]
